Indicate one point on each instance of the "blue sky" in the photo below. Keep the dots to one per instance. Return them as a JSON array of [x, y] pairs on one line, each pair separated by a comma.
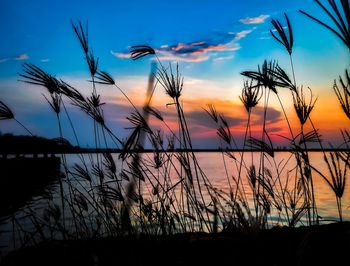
[[213, 41]]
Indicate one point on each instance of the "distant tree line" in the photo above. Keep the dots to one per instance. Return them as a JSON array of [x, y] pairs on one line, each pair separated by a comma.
[[11, 144]]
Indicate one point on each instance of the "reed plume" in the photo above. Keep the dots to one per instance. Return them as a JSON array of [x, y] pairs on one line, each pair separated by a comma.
[[285, 39], [139, 51], [33, 74], [5, 112], [338, 177], [301, 106], [171, 82], [343, 92], [339, 14], [270, 75], [250, 96], [83, 37]]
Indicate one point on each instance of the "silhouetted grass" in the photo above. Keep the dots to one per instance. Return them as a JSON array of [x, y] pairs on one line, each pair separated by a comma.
[[339, 14], [166, 192], [343, 93]]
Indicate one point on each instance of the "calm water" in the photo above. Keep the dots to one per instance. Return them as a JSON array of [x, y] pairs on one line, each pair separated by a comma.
[[219, 171], [325, 198]]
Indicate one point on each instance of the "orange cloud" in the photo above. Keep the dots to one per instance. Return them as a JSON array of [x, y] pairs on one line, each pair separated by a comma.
[[327, 115]]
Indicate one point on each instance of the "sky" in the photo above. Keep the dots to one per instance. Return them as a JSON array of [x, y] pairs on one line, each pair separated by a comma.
[[212, 41]]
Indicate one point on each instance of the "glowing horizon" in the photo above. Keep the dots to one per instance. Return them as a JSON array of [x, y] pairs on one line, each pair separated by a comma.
[[211, 54]]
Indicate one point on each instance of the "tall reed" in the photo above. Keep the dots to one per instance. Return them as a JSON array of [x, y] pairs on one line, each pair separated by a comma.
[[7, 114], [165, 192]]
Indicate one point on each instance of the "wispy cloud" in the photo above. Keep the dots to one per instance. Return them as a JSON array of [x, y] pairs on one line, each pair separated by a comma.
[[21, 57], [3, 60], [120, 55], [223, 58], [45, 60], [17, 58], [254, 20], [200, 50], [192, 52], [242, 34]]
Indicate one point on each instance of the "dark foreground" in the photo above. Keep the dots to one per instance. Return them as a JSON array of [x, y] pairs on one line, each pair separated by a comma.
[[318, 245], [23, 178]]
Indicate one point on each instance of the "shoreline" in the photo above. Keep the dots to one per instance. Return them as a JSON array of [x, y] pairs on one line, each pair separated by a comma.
[[92, 151]]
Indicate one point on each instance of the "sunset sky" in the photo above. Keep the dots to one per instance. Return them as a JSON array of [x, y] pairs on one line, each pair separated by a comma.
[[213, 42]]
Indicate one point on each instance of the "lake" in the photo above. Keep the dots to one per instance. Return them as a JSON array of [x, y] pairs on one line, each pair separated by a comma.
[[164, 172]]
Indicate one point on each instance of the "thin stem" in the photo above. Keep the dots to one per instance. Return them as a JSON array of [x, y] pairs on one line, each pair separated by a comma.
[[286, 117], [292, 66], [60, 178], [241, 160], [71, 124], [24, 127]]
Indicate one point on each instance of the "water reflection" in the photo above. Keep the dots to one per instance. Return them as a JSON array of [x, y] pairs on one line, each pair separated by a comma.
[[220, 169]]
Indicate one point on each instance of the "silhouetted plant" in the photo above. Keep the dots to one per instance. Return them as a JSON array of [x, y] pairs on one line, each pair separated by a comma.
[[171, 82], [312, 136], [139, 51], [82, 35], [285, 39], [345, 155], [338, 177], [104, 78], [72, 93], [91, 60], [92, 63], [55, 103], [251, 95], [270, 75], [264, 75], [35, 75], [265, 146], [81, 172], [154, 112], [165, 192], [282, 78], [339, 15], [301, 107], [5, 112], [343, 93], [211, 111], [225, 134]]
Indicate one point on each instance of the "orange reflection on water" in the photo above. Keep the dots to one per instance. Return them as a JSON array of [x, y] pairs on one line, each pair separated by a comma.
[[214, 167]]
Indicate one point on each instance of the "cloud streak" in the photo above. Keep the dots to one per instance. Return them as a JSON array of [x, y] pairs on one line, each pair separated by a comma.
[[21, 57], [120, 55], [254, 20], [223, 58], [196, 51], [200, 50]]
